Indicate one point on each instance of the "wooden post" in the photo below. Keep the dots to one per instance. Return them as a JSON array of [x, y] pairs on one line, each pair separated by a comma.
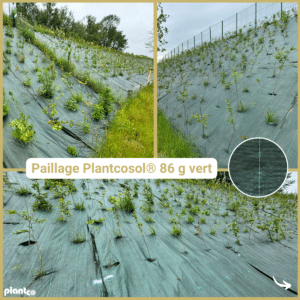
[[209, 34], [255, 15], [222, 30], [129, 94]]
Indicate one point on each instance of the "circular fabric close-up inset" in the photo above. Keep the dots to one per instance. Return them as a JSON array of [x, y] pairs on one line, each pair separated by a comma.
[[258, 167]]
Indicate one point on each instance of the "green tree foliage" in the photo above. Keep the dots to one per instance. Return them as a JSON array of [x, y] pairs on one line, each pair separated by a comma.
[[161, 30], [110, 37], [103, 33], [150, 44]]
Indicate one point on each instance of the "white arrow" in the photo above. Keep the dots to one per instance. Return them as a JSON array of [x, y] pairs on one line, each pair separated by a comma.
[[286, 285]]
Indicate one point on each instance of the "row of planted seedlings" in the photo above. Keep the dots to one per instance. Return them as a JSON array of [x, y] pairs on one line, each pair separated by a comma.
[[186, 206], [230, 62], [113, 63], [226, 208], [104, 63], [62, 201], [208, 206], [51, 89], [274, 215], [61, 197], [38, 202]]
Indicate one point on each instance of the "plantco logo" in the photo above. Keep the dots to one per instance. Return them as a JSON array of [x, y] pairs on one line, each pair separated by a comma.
[[23, 291]]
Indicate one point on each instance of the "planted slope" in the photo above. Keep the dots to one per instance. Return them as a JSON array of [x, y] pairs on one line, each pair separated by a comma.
[[121, 71], [82, 127], [194, 265], [192, 83], [47, 142]]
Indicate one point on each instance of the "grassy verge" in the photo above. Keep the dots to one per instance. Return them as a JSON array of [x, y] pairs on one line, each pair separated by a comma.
[[171, 142], [131, 133]]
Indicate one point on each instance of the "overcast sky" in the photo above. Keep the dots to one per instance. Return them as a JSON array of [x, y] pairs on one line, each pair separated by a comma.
[[294, 187], [189, 19], [136, 20]]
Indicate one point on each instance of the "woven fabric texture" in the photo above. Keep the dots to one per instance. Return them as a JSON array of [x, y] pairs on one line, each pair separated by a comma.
[[258, 167]]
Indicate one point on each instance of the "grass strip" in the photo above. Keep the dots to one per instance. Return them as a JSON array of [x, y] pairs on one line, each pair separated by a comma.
[[171, 142], [131, 132]]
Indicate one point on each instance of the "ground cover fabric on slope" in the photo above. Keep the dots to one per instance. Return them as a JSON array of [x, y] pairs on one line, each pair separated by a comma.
[[174, 79], [182, 267], [120, 84], [47, 143]]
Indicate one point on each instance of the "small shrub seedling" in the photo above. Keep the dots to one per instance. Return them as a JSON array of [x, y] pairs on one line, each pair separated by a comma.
[[152, 230], [72, 150], [23, 191], [79, 205], [149, 219], [227, 85], [106, 100], [78, 238], [22, 130], [194, 210], [46, 77], [72, 105], [116, 206], [235, 228], [241, 107], [9, 32], [86, 124], [282, 58], [78, 97], [203, 120], [99, 221], [6, 107], [190, 219], [63, 207], [271, 117], [29, 217], [176, 231], [236, 76], [126, 202], [41, 203], [27, 81], [184, 96], [140, 227], [230, 120], [212, 231], [98, 112]]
